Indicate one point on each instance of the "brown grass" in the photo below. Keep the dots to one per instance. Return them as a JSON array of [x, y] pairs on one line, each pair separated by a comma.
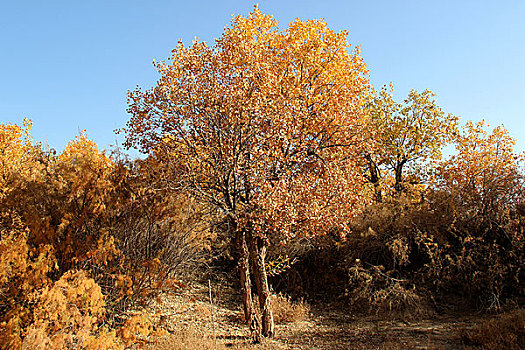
[[506, 331], [284, 309], [185, 340], [288, 311]]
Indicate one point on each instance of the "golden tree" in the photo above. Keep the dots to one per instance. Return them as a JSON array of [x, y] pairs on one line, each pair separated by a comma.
[[478, 194], [266, 126], [486, 173], [406, 134]]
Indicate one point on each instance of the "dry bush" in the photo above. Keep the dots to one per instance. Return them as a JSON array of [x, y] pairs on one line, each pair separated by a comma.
[[462, 236], [82, 210], [477, 193], [287, 311], [160, 233], [158, 222], [136, 329], [23, 273], [438, 249], [506, 331], [372, 290], [69, 315], [382, 256]]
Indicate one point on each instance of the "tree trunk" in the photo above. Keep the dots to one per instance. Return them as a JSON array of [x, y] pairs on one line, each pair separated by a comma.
[[374, 178], [258, 255], [399, 176], [246, 287]]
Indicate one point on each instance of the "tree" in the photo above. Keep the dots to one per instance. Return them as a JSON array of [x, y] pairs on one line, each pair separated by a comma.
[[477, 195], [486, 174], [405, 134], [266, 126]]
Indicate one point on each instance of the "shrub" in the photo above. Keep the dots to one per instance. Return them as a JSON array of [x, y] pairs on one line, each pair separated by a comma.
[[477, 195], [287, 311], [76, 220], [70, 315], [371, 290]]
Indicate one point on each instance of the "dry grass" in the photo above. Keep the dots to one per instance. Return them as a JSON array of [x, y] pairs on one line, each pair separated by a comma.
[[288, 311], [185, 340], [502, 332], [284, 309]]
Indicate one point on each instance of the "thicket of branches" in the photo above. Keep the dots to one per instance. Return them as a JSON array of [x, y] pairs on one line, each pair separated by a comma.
[[452, 239]]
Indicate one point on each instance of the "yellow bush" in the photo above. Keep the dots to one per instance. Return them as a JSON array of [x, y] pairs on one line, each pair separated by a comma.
[[69, 315]]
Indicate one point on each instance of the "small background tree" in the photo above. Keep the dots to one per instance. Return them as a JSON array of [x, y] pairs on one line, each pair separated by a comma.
[[406, 135]]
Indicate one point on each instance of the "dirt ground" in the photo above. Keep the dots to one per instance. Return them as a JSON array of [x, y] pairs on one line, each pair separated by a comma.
[[327, 326]]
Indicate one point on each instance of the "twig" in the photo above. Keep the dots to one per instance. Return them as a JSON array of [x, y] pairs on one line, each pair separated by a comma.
[[385, 275]]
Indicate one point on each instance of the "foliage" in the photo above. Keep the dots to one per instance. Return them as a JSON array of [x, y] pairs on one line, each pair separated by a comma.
[[23, 272], [68, 316], [257, 140], [82, 228], [486, 174], [478, 193], [406, 135]]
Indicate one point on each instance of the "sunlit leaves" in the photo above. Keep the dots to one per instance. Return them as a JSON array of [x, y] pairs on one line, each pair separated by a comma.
[[486, 171], [408, 134], [264, 124], [18, 156], [59, 216]]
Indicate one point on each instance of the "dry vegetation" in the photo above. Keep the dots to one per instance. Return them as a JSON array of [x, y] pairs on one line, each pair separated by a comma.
[[287, 311], [502, 332], [381, 244], [89, 240]]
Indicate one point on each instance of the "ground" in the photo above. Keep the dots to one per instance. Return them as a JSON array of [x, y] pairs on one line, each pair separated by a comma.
[[193, 322]]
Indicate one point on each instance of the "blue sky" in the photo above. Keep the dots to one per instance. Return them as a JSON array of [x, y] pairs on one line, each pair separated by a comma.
[[68, 64]]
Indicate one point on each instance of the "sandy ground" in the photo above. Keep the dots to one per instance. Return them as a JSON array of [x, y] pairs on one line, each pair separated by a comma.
[[327, 326]]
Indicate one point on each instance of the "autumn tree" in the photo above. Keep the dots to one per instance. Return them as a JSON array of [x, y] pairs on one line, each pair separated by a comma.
[[478, 194], [405, 134], [486, 173], [266, 126]]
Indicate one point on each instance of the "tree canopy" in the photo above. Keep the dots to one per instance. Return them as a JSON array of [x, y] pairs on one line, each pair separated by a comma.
[[406, 134], [260, 120]]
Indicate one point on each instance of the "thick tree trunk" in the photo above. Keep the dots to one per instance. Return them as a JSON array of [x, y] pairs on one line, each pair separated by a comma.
[[246, 286], [258, 255]]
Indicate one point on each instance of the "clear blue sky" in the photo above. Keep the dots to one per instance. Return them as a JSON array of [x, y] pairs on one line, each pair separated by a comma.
[[68, 64]]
